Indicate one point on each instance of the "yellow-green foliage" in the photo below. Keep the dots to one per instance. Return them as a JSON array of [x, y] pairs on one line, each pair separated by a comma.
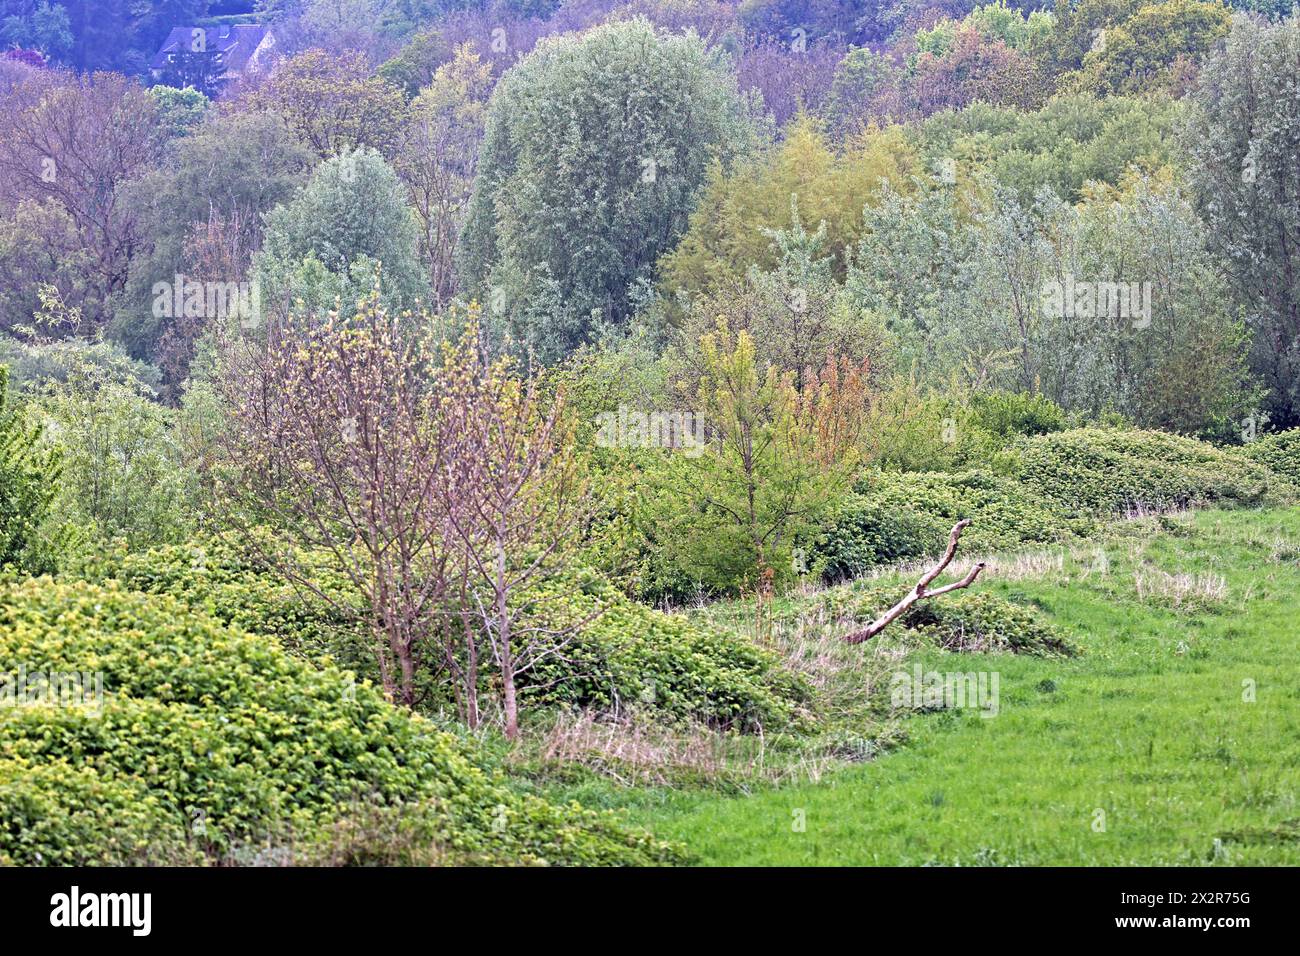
[[214, 576], [1144, 52], [726, 235], [633, 655], [894, 516], [1279, 452], [209, 740]]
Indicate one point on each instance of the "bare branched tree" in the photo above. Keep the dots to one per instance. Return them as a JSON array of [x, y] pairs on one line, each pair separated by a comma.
[[442, 484], [333, 445], [518, 504]]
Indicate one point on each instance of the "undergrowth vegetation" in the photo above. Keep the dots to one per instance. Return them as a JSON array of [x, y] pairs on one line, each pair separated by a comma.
[[206, 743], [406, 430]]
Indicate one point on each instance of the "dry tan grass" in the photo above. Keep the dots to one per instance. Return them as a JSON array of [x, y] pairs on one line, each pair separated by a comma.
[[1020, 566], [1180, 590], [1140, 510], [632, 750]]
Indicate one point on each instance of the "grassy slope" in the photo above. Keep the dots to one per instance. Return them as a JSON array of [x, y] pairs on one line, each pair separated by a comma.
[[1148, 725]]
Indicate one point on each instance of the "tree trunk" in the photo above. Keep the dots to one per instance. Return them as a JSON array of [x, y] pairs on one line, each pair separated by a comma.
[[503, 638], [402, 648]]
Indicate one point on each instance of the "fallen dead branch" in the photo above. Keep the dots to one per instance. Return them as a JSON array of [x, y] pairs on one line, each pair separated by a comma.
[[920, 590]]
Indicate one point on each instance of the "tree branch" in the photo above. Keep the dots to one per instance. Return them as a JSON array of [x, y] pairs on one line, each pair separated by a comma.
[[920, 590]]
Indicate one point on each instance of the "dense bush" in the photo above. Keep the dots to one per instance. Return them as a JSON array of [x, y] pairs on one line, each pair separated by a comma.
[[1104, 470], [27, 486], [124, 474], [1007, 414], [633, 655], [620, 657], [1280, 453], [979, 621], [893, 516], [215, 577], [207, 741], [1074, 139]]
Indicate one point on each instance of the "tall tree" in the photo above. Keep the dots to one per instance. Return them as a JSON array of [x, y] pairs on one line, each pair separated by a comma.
[[777, 456], [438, 158], [333, 103], [595, 149], [80, 143], [1244, 138], [326, 243], [214, 189]]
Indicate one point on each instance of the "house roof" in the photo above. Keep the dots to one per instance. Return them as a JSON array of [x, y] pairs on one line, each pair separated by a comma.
[[235, 42]]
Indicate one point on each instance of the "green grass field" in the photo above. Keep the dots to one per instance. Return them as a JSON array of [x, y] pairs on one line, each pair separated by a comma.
[[1173, 738]]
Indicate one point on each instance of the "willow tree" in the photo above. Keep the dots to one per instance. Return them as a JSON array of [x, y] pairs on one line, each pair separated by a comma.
[[594, 152]]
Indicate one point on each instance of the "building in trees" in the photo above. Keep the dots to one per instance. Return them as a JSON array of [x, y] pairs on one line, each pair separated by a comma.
[[207, 58]]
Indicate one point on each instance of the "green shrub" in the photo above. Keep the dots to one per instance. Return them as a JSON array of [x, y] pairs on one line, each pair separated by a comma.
[[979, 621], [919, 431], [203, 723], [1279, 453], [632, 654], [1100, 470], [216, 577], [1007, 414], [893, 516], [28, 484]]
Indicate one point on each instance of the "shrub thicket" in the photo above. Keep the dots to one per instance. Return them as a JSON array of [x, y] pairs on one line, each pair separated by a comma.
[[1279, 453], [633, 655], [216, 577], [971, 621], [627, 654], [208, 741], [892, 517], [1108, 471]]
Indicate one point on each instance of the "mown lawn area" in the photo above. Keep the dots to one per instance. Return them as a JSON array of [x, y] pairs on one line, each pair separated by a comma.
[[1173, 738]]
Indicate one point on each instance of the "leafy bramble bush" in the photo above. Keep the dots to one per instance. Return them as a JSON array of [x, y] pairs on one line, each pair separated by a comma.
[[696, 673], [205, 723], [892, 517], [634, 655], [58, 814], [1279, 453], [1102, 471], [216, 577], [1007, 414], [870, 531], [980, 621]]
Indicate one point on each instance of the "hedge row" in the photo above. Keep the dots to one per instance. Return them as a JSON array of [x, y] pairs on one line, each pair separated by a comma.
[[625, 653], [1058, 485], [1110, 471], [892, 517], [1279, 453]]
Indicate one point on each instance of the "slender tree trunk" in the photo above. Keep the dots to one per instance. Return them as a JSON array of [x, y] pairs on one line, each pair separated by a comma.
[[471, 658], [503, 637], [401, 645]]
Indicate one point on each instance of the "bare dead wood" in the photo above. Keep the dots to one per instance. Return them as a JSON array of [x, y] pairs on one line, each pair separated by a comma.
[[921, 589]]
